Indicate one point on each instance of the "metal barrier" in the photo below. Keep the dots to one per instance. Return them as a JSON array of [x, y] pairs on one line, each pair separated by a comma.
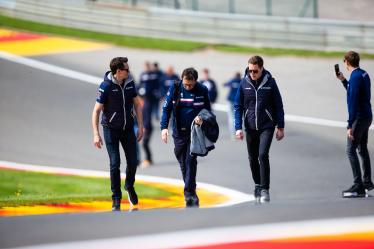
[[220, 28], [296, 8]]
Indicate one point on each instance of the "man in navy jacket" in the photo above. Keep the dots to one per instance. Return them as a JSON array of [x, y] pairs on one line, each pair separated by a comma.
[[116, 98], [259, 99], [359, 121], [185, 100]]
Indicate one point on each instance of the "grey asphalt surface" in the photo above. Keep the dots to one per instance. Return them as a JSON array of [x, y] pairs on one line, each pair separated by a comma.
[[45, 120]]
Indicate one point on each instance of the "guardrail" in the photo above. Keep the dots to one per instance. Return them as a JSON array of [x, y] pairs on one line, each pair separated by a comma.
[[265, 31]]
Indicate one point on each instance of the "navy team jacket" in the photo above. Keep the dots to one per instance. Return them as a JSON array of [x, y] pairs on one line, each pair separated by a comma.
[[358, 96], [260, 102], [118, 102], [186, 109]]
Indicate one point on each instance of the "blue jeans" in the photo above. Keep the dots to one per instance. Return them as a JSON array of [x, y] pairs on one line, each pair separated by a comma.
[[258, 146], [187, 163], [360, 134], [127, 139]]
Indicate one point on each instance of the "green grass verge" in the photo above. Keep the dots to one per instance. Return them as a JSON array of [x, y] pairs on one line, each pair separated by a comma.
[[30, 188], [160, 44]]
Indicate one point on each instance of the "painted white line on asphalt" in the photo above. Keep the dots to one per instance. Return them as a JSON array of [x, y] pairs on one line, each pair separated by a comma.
[[223, 235], [51, 68], [234, 196], [300, 119], [96, 81]]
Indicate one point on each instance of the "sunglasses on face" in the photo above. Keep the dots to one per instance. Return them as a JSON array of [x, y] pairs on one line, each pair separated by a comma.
[[253, 71], [125, 69]]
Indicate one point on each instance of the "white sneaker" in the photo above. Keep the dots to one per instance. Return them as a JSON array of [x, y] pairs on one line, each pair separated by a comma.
[[265, 196]]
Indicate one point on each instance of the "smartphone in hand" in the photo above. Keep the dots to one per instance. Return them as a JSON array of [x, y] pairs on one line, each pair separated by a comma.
[[337, 71]]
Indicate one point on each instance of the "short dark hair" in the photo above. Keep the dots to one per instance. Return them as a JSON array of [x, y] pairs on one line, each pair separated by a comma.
[[117, 63], [353, 58], [256, 60], [190, 74]]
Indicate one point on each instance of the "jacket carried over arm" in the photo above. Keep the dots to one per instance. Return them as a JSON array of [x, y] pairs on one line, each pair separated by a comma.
[[204, 136]]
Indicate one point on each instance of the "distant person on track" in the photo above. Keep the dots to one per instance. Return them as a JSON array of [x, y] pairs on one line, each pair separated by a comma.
[[185, 100], [233, 84], [359, 120], [259, 99], [149, 89], [160, 74], [116, 98], [211, 85], [168, 80]]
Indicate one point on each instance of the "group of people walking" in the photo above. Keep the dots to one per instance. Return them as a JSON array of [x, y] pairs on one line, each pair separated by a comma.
[[256, 102]]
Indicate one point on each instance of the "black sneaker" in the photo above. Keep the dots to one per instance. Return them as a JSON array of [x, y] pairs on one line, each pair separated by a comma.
[[257, 193], [368, 186], [354, 191], [192, 201], [132, 196], [116, 205]]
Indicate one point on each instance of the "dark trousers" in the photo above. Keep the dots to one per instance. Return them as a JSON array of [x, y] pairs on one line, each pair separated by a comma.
[[127, 139], [258, 146], [148, 127], [146, 139], [360, 134], [188, 163]]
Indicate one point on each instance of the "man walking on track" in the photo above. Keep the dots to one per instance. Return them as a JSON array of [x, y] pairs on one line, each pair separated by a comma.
[[259, 99], [116, 98], [185, 100], [359, 121]]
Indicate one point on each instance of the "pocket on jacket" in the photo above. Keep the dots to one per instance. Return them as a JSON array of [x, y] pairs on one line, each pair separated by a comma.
[[111, 118], [269, 115]]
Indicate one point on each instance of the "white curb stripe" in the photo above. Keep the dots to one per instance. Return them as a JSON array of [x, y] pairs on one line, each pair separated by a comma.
[[96, 81], [235, 197], [214, 236]]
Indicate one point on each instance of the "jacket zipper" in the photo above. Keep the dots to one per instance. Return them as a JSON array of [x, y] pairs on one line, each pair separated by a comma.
[[261, 85], [114, 114], [124, 105], [255, 105]]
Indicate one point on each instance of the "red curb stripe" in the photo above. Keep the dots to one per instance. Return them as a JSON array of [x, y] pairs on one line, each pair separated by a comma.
[[292, 245], [20, 37]]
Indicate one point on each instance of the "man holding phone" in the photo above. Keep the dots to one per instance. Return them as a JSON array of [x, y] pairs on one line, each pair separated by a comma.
[[359, 121]]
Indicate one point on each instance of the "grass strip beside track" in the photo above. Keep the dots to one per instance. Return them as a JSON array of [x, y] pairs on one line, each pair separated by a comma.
[[29, 188], [159, 44]]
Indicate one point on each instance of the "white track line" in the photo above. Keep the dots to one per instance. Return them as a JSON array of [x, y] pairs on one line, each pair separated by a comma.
[[96, 81], [234, 197], [214, 236]]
